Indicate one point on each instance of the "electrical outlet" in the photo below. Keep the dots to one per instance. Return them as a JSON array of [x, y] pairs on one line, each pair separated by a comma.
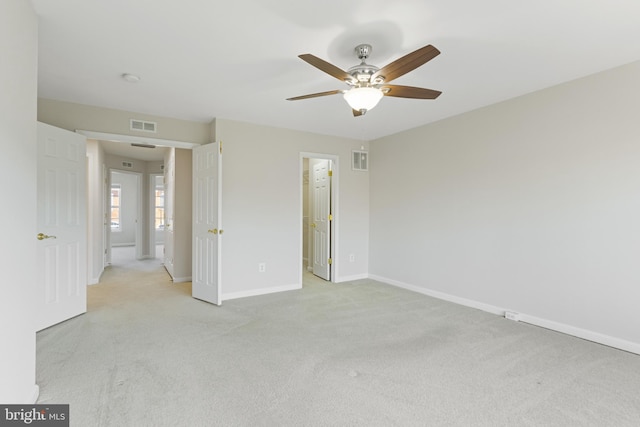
[[352, 258], [262, 267]]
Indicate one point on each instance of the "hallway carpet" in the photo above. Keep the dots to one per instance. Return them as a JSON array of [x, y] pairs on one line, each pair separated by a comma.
[[352, 354]]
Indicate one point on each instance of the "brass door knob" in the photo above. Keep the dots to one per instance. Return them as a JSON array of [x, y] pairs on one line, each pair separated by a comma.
[[42, 236], [214, 231]]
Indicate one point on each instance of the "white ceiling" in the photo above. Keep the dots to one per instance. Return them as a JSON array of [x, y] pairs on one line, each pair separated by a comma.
[[200, 59]]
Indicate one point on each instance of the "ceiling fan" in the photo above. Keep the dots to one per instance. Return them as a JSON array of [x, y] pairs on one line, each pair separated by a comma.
[[370, 83]]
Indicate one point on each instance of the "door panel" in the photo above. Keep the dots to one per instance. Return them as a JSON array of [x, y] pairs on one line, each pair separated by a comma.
[[320, 218], [61, 257], [207, 223], [169, 188]]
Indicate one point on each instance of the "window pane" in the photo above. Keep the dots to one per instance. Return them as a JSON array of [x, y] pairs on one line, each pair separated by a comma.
[[115, 206], [159, 207]]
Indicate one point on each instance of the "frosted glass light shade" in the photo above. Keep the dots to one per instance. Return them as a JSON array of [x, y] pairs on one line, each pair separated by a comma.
[[363, 98]]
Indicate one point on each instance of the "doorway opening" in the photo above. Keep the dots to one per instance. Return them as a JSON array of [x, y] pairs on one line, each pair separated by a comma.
[[157, 216], [319, 201], [125, 211]]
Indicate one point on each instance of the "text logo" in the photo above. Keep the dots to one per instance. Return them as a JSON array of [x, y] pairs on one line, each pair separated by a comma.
[[34, 415]]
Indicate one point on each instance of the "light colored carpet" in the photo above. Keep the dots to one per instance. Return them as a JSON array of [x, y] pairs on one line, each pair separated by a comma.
[[353, 354]]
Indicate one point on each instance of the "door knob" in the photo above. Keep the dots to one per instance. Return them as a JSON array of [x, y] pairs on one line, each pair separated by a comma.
[[214, 231], [42, 236], [313, 225]]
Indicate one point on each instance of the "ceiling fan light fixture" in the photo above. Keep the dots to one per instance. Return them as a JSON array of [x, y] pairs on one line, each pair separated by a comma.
[[363, 98]]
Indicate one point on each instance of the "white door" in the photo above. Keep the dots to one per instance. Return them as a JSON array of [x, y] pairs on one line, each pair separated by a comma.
[[207, 223], [61, 258], [169, 188], [321, 218]]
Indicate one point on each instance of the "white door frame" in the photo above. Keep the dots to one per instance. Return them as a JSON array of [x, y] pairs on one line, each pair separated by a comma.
[[139, 211], [126, 139], [152, 212], [335, 191]]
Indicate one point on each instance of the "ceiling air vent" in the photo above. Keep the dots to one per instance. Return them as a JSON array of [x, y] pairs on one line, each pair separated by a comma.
[[127, 165], [360, 160], [143, 126]]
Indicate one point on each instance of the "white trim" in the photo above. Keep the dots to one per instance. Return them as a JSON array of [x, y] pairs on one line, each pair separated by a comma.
[[181, 279], [352, 278], [582, 333], [136, 139], [258, 292], [585, 334]]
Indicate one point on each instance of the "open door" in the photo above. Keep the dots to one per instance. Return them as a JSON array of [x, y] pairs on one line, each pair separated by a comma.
[[61, 258], [169, 220], [321, 218], [207, 222]]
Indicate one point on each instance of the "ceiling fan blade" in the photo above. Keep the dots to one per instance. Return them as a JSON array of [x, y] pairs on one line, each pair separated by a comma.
[[315, 95], [328, 68], [409, 92], [357, 113], [405, 64]]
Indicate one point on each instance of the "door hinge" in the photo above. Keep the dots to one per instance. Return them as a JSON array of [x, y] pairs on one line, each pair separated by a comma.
[[330, 261], [330, 217], [330, 173], [220, 147]]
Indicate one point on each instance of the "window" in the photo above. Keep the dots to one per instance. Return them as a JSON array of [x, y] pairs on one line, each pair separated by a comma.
[[159, 204], [116, 197]]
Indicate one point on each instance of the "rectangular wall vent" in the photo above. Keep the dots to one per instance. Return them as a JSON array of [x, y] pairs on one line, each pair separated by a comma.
[[360, 160], [127, 165], [143, 126]]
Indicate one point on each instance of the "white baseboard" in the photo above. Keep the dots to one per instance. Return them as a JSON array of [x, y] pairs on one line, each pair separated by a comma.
[[121, 245], [181, 279], [525, 318], [441, 295], [257, 292], [585, 334], [96, 280], [342, 279]]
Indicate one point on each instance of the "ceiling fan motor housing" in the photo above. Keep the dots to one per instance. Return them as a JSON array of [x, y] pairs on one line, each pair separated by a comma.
[[363, 72]]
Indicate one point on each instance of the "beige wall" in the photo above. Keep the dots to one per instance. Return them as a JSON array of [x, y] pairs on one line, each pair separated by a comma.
[[70, 116], [182, 214], [18, 89], [531, 205], [262, 206]]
